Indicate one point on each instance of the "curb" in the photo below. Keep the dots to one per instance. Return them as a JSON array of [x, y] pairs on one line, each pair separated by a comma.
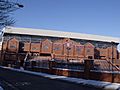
[[93, 83]]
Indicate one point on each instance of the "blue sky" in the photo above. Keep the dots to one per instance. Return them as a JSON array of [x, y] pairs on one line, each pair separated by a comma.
[[101, 17]]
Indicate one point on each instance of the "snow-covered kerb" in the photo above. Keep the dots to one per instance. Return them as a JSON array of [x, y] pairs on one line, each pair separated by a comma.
[[99, 84]]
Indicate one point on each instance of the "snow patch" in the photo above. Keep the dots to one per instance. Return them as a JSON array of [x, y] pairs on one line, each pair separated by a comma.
[[1, 88]]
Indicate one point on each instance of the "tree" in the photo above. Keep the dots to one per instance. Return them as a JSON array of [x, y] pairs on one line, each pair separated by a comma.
[[6, 8]]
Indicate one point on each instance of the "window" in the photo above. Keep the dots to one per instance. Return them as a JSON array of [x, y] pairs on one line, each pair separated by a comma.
[[88, 50], [12, 46], [56, 48]]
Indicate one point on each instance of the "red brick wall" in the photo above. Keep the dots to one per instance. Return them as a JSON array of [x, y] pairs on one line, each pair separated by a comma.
[[89, 50], [27, 47], [35, 47], [46, 46], [102, 76], [13, 45]]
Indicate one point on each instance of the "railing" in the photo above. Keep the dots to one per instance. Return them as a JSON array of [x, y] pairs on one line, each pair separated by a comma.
[[98, 65], [26, 56], [74, 66], [57, 64], [113, 65], [38, 64], [105, 65]]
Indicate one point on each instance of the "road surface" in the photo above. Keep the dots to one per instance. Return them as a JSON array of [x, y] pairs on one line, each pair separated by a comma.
[[12, 80]]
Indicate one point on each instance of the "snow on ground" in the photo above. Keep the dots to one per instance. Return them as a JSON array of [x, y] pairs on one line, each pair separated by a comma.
[[99, 84], [1, 88]]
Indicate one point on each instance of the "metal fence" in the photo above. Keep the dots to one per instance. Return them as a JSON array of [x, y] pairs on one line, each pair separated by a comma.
[[105, 65], [98, 65]]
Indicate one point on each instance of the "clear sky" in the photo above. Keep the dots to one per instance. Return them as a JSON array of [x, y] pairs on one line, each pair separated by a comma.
[[101, 17]]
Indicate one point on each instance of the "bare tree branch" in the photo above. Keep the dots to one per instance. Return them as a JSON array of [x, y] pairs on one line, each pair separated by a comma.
[[6, 7]]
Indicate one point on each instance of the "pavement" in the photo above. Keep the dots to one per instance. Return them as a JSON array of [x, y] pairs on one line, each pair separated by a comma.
[[78, 81], [18, 80]]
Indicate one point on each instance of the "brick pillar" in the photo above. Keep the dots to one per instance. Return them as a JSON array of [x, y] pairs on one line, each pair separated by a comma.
[[51, 64], [88, 65]]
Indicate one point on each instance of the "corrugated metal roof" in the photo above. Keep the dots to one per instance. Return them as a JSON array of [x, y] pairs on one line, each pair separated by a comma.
[[52, 33]]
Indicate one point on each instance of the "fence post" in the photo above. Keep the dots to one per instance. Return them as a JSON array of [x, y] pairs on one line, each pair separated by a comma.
[[88, 65]]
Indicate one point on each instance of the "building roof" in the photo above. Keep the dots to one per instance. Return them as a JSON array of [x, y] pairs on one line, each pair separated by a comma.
[[52, 33]]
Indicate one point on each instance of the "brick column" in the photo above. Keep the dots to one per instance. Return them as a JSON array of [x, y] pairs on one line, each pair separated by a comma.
[[88, 65]]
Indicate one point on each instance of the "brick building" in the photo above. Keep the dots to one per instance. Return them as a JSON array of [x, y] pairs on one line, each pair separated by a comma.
[[57, 44]]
